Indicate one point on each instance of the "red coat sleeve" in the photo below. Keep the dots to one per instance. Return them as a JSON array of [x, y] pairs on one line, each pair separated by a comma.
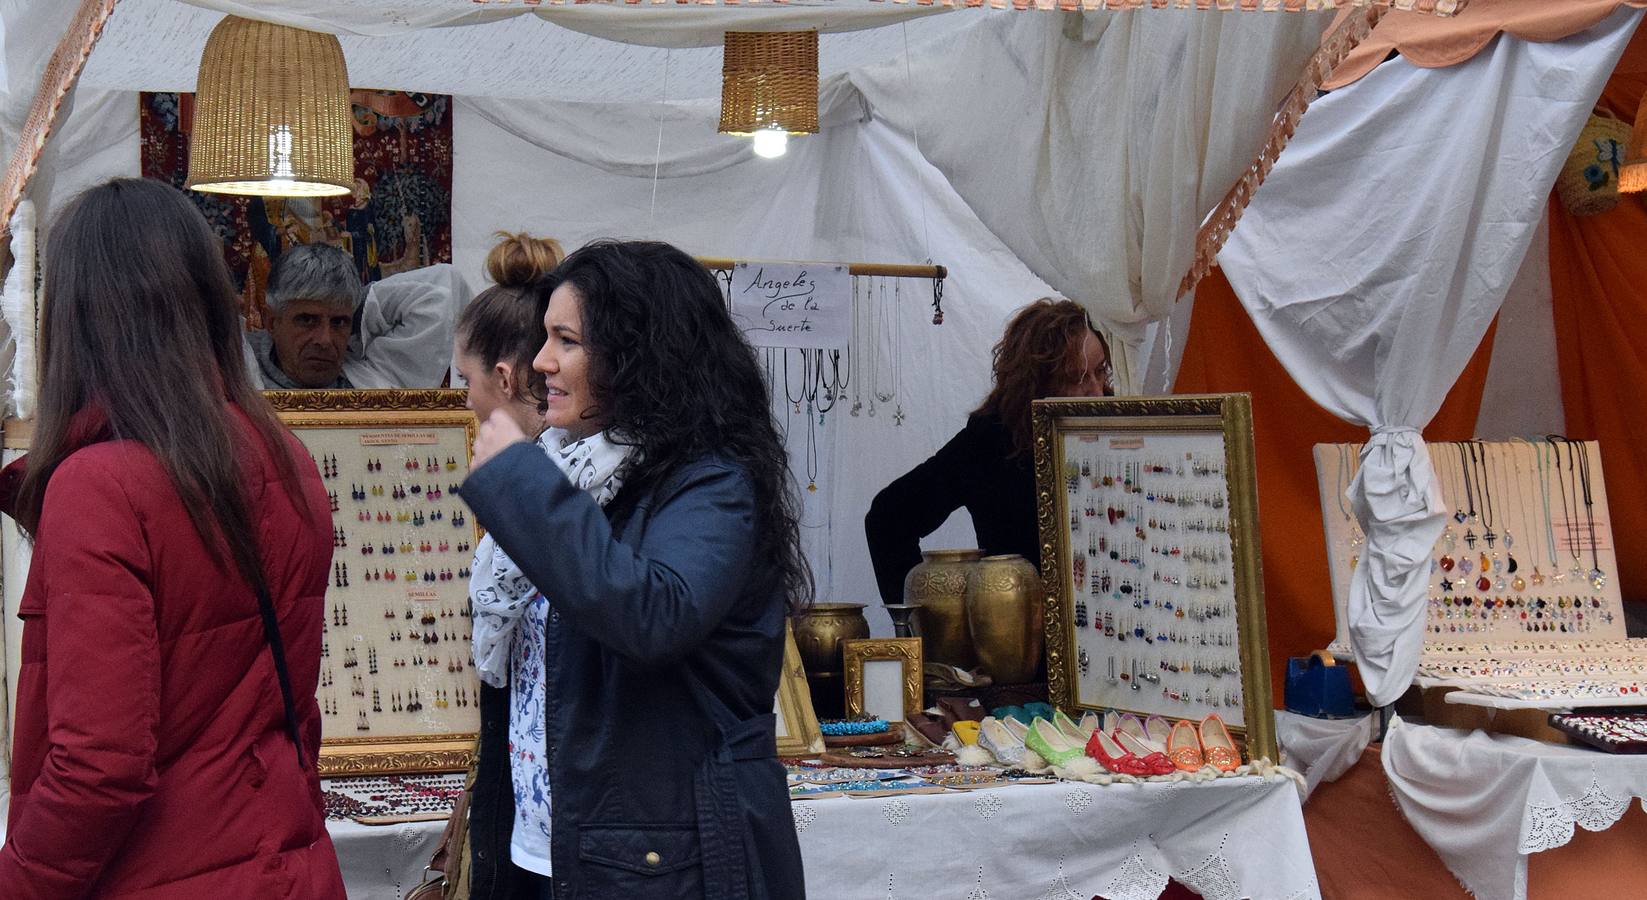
[[102, 687]]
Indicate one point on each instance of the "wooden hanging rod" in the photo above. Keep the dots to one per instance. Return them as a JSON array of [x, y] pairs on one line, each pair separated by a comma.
[[888, 270]]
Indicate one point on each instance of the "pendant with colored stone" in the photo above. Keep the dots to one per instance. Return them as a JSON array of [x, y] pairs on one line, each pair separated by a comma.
[[1500, 584], [1459, 516], [1447, 563], [1520, 584], [1509, 541], [1482, 584], [1465, 566], [1485, 565], [1449, 537], [1598, 579], [1446, 585], [1512, 566]]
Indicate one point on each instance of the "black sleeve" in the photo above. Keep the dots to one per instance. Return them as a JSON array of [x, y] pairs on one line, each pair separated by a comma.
[[913, 507]]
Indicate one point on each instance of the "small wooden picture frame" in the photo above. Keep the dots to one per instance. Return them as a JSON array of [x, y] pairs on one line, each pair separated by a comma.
[[883, 677], [797, 724]]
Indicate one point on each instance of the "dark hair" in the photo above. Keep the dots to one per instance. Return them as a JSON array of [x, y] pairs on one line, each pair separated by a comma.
[[136, 296], [1034, 352], [504, 323], [673, 377]]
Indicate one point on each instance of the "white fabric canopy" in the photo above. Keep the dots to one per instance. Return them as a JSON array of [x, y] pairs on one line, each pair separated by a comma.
[[1098, 181], [1375, 307]]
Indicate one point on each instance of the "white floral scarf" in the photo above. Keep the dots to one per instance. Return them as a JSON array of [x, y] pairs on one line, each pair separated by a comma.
[[498, 591]]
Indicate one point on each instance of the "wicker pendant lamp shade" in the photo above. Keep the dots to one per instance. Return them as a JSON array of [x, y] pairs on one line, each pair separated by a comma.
[[272, 113], [1632, 178], [769, 80]]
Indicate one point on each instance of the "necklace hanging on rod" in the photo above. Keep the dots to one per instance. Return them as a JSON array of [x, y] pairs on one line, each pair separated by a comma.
[[1341, 484], [1469, 495], [1567, 518], [897, 358], [858, 341], [1449, 486]]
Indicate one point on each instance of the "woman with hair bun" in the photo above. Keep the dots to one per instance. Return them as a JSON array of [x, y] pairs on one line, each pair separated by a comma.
[[662, 531], [495, 340]]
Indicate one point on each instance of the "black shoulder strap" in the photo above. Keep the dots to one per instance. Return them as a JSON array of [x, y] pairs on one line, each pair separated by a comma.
[[277, 647]]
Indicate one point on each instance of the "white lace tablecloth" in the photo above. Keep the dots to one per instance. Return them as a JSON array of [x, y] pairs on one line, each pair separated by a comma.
[[1321, 749], [1485, 802], [1225, 839], [383, 862]]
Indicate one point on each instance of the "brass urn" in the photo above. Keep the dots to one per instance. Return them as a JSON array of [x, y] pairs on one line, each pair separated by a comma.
[[819, 630], [938, 585], [1003, 610]]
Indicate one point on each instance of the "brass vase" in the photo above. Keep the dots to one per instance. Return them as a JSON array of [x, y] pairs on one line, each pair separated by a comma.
[[1003, 609], [819, 630], [938, 585]]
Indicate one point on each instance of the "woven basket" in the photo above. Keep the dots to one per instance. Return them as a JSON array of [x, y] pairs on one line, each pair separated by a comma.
[[272, 113], [769, 79], [1588, 183]]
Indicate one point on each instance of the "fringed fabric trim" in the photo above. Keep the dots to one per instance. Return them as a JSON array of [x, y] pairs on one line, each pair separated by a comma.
[[1217, 227], [62, 71]]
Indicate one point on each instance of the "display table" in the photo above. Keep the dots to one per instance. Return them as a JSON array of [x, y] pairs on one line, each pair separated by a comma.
[[1487, 802], [1321, 749], [383, 862], [1231, 838], [1225, 839]]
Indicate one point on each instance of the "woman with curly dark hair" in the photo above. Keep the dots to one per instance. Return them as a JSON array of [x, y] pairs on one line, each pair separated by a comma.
[[1050, 349], [662, 531]]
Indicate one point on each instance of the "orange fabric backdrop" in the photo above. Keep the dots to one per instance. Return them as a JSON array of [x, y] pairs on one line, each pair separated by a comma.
[[1223, 353], [1598, 276]]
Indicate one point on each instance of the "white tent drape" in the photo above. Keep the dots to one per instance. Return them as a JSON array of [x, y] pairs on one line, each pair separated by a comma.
[[1375, 307], [1111, 137]]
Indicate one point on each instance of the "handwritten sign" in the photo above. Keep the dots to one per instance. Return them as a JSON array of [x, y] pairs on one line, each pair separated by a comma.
[[793, 305]]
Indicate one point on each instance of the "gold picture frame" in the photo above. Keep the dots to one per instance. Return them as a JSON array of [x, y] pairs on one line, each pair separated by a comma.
[[1153, 580], [398, 693], [863, 693], [797, 725]]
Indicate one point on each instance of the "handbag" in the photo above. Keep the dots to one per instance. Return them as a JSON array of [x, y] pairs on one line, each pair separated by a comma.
[[450, 863]]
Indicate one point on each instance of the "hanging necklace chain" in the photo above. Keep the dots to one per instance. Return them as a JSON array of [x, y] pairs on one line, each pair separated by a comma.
[[1544, 493], [1567, 526], [1524, 518], [1497, 471], [1583, 455], [1479, 467], [1343, 481], [1464, 469]]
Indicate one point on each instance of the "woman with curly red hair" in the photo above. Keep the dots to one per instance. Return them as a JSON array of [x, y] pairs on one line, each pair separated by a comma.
[[1050, 349]]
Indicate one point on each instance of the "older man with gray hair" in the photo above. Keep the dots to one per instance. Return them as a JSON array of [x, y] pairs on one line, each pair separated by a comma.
[[326, 331]]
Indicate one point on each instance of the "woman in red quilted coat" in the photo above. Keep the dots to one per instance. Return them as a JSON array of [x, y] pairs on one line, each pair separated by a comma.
[[166, 733]]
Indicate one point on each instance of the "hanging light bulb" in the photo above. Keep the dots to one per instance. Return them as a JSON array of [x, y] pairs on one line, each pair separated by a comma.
[[272, 113], [769, 87], [771, 142]]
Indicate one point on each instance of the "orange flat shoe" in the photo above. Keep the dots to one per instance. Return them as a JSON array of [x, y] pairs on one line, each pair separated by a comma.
[[1184, 747], [1217, 745]]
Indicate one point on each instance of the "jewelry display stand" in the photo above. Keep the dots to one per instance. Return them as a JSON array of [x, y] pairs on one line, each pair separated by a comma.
[[1524, 610], [1148, 511], [397, 691]]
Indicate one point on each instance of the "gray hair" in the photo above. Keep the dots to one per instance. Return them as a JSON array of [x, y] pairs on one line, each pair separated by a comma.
[[314, 272]]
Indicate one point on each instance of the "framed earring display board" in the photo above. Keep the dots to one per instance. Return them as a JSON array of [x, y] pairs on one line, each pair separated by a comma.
[[398, 692], [1148, 511]]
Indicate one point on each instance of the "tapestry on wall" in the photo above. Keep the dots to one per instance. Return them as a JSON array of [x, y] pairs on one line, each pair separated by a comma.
[[398, 218]]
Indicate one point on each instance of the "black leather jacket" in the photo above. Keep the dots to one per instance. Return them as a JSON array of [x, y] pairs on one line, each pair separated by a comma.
[[663, 657]]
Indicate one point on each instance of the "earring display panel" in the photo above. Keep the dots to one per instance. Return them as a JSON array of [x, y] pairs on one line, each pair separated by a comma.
[[1150, 562], [398, 691]]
